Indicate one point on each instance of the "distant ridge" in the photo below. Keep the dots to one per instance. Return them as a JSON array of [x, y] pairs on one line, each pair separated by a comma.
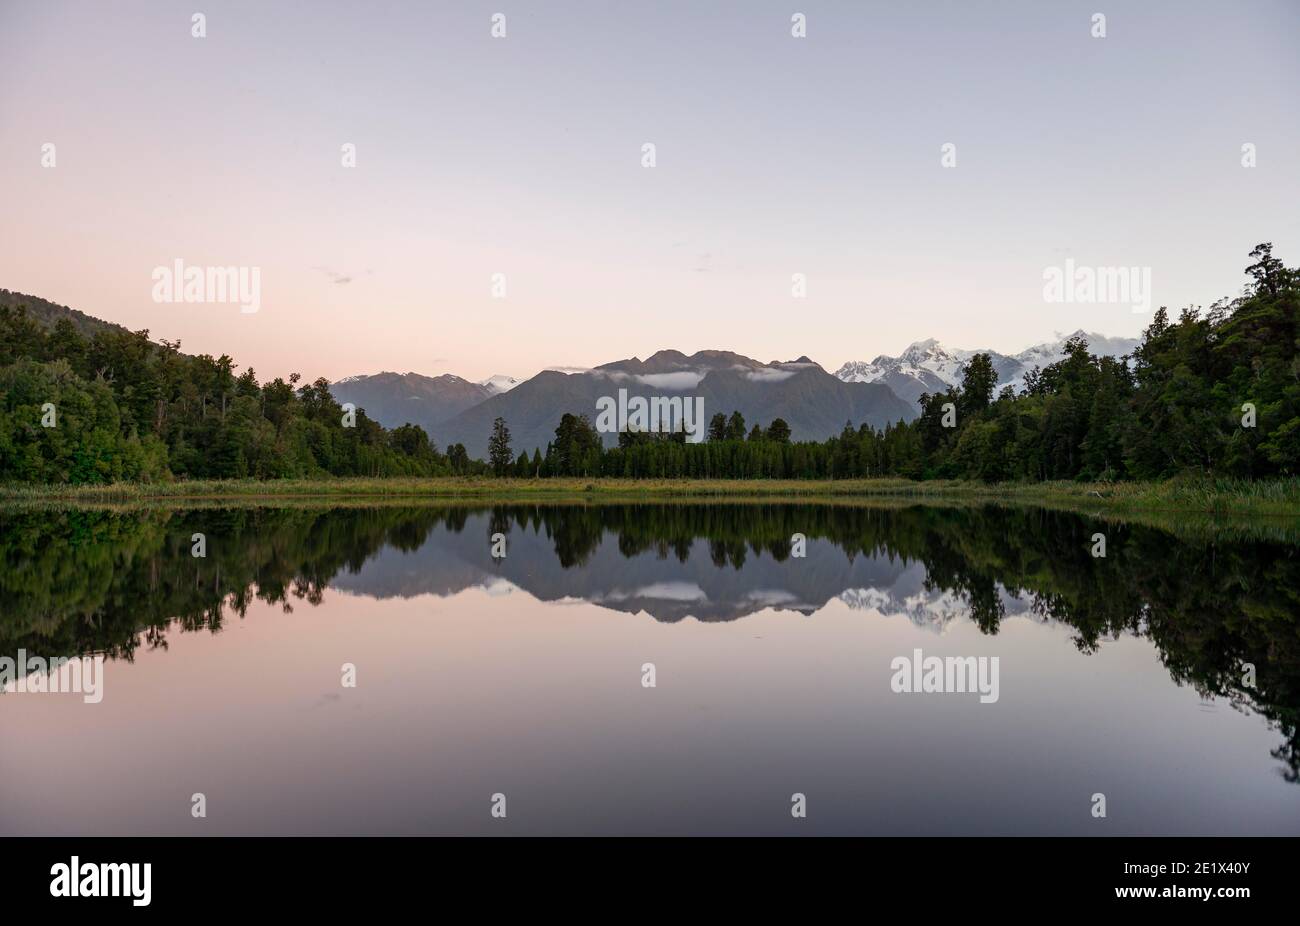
[[813, 402], [413, 398]]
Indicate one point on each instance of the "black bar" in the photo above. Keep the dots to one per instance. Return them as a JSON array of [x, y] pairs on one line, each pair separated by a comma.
[[928, 875]]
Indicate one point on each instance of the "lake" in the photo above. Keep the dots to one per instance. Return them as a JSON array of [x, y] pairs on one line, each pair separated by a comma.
[[681, 668]]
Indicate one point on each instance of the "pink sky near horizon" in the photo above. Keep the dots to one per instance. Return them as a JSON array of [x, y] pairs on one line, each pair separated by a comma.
[[521, 156]]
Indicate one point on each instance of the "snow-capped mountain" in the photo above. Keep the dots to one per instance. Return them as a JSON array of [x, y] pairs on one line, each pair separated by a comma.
[[499, 382], [928, 366], [1040, 355]]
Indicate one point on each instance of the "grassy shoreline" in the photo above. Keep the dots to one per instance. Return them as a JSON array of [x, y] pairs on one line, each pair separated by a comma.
[[1271, 498]]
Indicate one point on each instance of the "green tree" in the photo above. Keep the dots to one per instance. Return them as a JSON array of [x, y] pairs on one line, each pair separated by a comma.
[[499, 455], [718, 427], [458, 459], [977, 383]]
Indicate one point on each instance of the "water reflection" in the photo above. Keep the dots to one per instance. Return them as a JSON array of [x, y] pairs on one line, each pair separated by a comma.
[[1218, 608]]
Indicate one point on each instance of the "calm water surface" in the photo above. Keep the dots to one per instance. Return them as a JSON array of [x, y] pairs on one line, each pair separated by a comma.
[[1127, 675]]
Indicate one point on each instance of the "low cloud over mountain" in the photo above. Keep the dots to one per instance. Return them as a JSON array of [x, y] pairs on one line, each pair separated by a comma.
[[814, 403]]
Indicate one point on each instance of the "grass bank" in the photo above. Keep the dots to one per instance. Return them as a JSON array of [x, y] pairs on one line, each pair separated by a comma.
[[1273, 498]]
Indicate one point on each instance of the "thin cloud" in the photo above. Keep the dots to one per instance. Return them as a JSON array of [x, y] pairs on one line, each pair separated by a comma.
[[339, 279]]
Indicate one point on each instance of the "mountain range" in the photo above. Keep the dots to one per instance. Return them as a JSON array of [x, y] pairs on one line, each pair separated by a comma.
[[928, 366], [813, 402]]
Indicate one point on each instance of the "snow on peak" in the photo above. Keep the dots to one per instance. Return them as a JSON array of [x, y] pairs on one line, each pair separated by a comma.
[[925, 360], [927, 364], [926, 348], [499, 382]]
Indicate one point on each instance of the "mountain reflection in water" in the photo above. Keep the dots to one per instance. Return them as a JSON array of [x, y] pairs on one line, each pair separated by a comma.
[[1213, 604]]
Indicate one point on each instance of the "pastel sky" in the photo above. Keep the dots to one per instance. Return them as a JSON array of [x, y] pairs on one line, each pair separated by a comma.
[[522, 156]]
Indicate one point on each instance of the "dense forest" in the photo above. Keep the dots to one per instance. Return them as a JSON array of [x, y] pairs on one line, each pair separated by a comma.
[[78, 406], [1214, 391]]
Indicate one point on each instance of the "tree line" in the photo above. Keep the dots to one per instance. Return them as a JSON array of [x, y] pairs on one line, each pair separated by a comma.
[[117, 406], [1214, 392], [1211, 392]]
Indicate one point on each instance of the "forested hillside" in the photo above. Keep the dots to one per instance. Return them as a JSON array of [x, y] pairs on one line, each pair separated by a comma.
[[78, 407]]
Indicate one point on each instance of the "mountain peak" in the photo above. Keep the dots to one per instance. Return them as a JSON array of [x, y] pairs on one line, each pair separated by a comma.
[[674, 361], [926, 349], [925, 345], [499, 382], [927, 366]]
